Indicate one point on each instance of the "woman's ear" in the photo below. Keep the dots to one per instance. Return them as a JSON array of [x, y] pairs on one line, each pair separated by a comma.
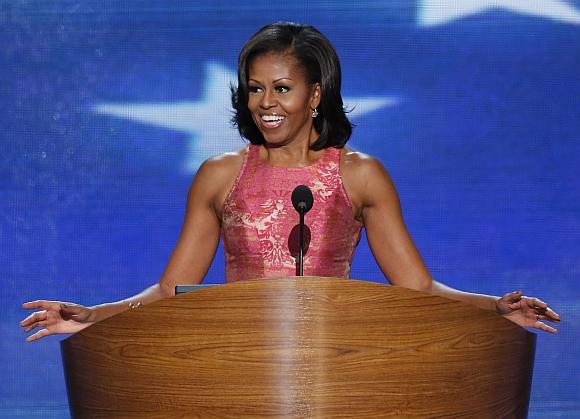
[[316, 93]]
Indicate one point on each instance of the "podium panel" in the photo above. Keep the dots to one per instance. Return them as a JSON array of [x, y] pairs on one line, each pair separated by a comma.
[[300, 347]]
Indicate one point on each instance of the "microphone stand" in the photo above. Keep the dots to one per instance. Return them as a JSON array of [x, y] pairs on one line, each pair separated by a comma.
[[302, 201]]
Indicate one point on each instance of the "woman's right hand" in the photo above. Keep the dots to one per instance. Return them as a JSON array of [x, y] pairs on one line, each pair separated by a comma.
[[55, 317]]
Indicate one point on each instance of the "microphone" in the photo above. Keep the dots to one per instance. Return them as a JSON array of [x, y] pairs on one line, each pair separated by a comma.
[[302, 200]]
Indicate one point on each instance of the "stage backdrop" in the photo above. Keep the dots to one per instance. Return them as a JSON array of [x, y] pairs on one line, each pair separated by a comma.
[[107, 108]]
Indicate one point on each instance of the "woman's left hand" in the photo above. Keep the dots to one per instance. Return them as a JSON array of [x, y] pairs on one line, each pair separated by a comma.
[[527, 311]]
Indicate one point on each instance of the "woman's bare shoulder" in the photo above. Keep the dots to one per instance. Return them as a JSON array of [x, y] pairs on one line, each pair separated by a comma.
[[225, 161], [216, 176], [358, 163], [363, 177], [222, 166]]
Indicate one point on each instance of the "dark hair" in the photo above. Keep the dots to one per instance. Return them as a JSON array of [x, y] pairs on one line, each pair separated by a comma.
[[317, 56]]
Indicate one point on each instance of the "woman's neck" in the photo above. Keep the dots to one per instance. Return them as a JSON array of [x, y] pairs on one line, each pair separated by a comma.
[[295, 153], [290, 155]]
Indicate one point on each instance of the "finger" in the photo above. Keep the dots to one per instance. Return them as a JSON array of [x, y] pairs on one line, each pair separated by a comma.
[[551, 315], [40, 304], [35, 325], [34, 317], [545, 327], [513, 297], [535, 303], [40, 334]]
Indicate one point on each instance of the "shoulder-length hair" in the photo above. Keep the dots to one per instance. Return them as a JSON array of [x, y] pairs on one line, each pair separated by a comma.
[[317, 56]]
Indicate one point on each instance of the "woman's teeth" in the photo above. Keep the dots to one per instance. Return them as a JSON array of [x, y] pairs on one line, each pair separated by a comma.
[[271, 118], [272, 121]]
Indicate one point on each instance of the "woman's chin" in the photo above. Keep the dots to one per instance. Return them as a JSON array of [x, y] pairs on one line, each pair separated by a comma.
[[274, 140]]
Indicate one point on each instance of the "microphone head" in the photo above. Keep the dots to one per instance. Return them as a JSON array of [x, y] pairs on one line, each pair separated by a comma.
[[302, 198]]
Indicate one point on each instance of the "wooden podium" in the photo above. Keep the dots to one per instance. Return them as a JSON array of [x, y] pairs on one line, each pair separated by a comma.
[[300, 347]]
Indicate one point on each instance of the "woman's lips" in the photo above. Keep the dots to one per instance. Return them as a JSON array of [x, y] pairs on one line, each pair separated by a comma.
[[271, 121]]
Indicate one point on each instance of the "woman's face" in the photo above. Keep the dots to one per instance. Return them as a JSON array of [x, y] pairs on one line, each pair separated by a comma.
[[280, 99]]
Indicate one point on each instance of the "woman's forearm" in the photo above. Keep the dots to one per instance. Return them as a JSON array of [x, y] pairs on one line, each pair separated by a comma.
[[487, 302], [154, 293]]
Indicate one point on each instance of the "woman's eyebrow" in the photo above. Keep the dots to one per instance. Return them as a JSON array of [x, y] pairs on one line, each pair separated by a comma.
[[274, 81]]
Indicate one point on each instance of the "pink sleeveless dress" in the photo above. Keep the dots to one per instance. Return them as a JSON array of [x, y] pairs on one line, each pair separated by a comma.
[[260, 226]]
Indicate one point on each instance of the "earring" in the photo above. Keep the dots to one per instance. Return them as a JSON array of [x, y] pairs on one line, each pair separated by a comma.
[[315, 113]]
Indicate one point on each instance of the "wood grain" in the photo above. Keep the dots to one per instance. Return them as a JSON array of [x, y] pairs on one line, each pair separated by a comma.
[[311, 347]]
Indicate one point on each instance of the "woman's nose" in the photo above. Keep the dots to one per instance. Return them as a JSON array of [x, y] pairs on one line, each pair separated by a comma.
[[268, 100]]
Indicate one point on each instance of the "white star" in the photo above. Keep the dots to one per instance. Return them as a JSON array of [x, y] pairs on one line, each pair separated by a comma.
[[439, 12], [207, 121]]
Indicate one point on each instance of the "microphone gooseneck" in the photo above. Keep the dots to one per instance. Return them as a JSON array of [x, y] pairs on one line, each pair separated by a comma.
[[302, 200]]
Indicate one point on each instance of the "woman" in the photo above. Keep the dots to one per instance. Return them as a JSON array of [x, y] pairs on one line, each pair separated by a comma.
[[288, 104]]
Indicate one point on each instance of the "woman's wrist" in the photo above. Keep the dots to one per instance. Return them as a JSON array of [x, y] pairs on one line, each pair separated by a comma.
[[104, 311], [497, 306]]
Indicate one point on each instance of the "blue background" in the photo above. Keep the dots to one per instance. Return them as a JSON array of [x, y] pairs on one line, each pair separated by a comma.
[[479, 128]]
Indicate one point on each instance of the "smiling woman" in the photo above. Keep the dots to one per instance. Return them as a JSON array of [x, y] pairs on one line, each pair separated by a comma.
[[288, 105], [310, 56], [281, 101]]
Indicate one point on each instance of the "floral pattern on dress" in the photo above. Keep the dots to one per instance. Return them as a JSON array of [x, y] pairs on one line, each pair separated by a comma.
[[258, 217]]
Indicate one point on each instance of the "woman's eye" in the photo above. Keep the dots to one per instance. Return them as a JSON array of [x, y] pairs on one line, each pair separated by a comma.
[[282, 89], [254, 89]]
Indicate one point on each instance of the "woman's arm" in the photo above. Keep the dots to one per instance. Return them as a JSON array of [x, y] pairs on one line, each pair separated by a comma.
[[189, 261], [376, 202]]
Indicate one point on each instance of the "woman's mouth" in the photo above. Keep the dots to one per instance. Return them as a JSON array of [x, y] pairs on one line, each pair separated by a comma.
[[271, 121]]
